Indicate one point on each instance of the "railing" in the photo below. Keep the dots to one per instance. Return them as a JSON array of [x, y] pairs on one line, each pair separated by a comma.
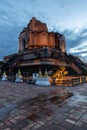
[[71, 81]]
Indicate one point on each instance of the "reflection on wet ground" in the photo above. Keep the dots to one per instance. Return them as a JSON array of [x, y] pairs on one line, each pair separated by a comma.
[[28, 107], [78, 98], [39, 105]]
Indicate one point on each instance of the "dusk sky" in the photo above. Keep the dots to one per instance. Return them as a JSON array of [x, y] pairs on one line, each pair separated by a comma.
[[64, 16]]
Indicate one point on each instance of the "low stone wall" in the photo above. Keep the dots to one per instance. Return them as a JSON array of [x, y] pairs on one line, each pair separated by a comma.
[[65, 81], [71, 81]]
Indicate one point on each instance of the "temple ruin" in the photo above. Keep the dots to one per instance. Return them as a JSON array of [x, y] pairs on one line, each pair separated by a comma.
[[42, 50]]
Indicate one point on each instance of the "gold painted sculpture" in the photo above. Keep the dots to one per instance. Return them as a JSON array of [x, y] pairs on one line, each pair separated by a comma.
[[46, 74], [40, 73], [58, 76], [60, 73], [19, 73]]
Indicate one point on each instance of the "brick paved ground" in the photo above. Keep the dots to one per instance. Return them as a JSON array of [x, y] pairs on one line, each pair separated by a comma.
[[27, 107]]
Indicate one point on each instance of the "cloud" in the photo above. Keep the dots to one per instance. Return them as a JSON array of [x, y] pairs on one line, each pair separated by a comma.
[[79, 48], [76, 41], [59, 15], [83, 54]]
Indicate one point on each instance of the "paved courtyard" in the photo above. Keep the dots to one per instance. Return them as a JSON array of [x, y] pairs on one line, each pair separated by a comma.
[[28, 107]]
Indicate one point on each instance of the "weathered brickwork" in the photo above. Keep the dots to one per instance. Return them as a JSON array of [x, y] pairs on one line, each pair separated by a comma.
[[36, 35]]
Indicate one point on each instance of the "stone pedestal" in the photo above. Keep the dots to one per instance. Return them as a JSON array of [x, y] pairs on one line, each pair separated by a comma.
[[42, 81]]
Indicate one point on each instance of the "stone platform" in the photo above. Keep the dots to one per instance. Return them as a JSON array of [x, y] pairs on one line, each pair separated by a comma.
[[28, 107], [43, 81]]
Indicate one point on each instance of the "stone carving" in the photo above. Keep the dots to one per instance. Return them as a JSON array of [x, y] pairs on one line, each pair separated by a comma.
[[35, 76], [19, 77], [4, 77]]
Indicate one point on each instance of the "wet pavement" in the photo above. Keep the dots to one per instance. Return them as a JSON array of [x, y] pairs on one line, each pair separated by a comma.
[[28, 107]]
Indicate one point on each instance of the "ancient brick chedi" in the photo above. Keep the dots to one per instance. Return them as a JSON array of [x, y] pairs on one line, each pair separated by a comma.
[[36, 35], [40, 49]]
